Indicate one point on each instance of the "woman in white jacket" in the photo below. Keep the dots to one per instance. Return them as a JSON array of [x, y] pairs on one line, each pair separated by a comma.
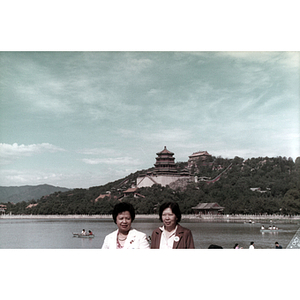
[[125, 237]]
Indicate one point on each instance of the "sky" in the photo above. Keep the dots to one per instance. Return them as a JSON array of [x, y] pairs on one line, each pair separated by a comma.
[[83, 119]]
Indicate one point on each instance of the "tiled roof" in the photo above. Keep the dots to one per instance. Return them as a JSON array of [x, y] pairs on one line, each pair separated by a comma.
[[212, 205], [200, 153], [165, 151]]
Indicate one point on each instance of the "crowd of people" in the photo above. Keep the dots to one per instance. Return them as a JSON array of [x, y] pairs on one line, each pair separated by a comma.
[[251, 247], [170, 235]]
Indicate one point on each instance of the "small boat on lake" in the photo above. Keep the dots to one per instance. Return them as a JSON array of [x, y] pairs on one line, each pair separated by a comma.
[[249, 222], [270, 229], [79, 235]]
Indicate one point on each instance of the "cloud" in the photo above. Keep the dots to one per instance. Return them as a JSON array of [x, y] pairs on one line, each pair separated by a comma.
[[289, 59], [173, 135], [8, 151], [25, 177], [112, 161], [15, 177], [66, 83], [130, 64], [98, 151]]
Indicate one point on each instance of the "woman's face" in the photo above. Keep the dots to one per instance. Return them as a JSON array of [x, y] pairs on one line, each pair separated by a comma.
[[124, 221], [169, 219]]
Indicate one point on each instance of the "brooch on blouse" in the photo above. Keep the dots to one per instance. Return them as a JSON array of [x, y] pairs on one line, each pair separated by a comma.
[[176, 239]]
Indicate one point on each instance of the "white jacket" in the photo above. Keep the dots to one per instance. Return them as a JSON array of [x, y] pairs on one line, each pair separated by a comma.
[[135, 240]]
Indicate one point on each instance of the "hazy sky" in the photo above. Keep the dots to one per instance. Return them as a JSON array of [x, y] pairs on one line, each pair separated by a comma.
[[82, 119]]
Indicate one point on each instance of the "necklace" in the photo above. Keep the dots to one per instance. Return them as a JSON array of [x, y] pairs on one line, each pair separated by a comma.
[[123, 239]]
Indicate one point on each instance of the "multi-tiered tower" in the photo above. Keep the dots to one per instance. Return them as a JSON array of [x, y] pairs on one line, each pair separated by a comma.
[[165, 162], [164, 173]]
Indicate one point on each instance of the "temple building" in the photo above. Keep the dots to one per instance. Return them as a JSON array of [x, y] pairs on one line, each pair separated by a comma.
[[165, 162], [208, 209], [203, 158], [2, 208], [164, 173]]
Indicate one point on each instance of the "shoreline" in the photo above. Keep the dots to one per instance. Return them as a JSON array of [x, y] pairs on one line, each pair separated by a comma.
[[193, 217]]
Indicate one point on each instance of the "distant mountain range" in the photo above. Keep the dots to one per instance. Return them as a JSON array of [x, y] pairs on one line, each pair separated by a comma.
[[17, 194]]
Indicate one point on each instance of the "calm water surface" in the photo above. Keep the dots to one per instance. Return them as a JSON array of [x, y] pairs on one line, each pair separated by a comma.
[[57, 233]]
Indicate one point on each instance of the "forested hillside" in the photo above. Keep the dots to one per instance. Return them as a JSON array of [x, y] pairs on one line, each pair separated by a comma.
[[17, 194], [252, 186]]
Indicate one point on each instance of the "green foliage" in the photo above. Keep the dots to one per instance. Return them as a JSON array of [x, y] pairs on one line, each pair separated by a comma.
[[277, 183]]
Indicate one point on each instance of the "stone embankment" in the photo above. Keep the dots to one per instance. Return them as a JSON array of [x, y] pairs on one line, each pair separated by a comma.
[[246, 218], [200, 218], [55, 216]]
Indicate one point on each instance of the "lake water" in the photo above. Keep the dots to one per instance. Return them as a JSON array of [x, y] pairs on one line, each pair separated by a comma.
[[57, 233]]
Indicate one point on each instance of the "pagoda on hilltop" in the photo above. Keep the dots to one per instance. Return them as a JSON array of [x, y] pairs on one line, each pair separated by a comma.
[[164, 173], [165, 162]]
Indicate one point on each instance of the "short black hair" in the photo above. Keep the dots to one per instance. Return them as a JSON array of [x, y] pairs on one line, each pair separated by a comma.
[[174, 207], [213, 246], [121, 207]]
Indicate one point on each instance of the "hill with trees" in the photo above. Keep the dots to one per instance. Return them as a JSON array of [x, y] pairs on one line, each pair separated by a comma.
[[17, 194], [254, 186]]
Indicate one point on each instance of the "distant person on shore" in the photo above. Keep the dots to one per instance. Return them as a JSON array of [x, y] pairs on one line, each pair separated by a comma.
[[237, 246], [277, 246], [251, 247], [171, 235], [125, 237]]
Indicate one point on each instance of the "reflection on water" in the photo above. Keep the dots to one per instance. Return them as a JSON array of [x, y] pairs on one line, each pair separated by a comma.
[[57, 233]]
